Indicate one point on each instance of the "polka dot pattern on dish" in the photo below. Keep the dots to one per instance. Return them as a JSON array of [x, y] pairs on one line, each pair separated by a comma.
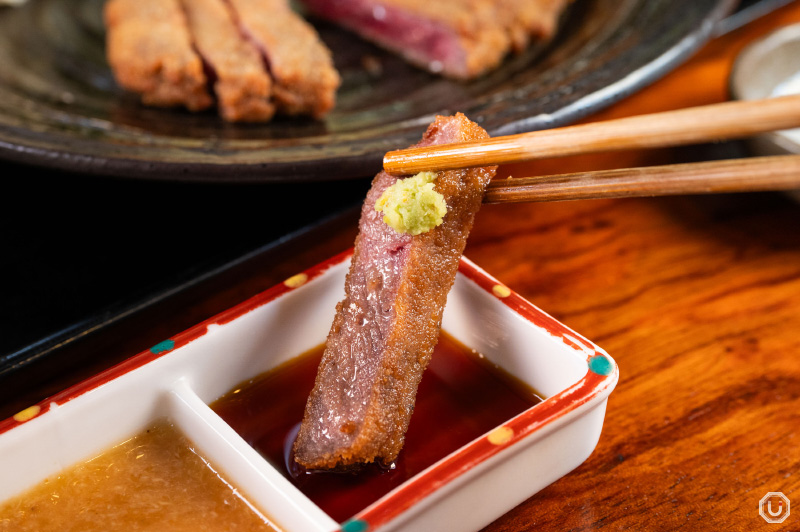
[[162, 347], [500, 435], [355, 525], [501, 291], [27, 414], [296, 280], [600, 365]]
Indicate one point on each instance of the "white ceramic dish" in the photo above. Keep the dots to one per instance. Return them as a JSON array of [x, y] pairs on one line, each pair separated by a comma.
[[759, 72], [178, 378], [764, 69]]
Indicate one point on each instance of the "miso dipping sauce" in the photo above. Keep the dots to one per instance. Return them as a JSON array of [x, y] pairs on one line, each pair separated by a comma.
[[152, 482], [461, 397]]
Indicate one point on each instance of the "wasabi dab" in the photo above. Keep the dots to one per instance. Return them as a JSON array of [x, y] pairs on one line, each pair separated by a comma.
[[411, 205]]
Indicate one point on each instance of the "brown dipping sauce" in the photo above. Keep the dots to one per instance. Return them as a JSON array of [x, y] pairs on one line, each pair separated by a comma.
[[152, 482], [461, 397]]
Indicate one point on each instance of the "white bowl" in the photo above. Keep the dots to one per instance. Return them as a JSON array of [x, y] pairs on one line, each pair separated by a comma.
[[466, 490], [761, 70]]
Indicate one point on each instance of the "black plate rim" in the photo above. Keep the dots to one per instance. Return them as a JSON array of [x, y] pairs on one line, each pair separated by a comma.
[[358, 165]]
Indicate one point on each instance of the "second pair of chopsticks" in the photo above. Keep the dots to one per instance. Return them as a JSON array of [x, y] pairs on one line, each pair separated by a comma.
[[686, 126]]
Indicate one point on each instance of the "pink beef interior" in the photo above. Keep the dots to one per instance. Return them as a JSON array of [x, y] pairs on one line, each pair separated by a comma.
[[386, 327], [367, 316], [420, 40]]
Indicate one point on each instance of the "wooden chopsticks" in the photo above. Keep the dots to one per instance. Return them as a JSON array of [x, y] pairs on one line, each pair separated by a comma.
[[672, 128], [686, 126], [738, 175]]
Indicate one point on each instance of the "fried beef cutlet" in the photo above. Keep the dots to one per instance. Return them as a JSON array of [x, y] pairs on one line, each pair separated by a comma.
[[304, 78], [449, 37], [258, 55], [533, 19], [242, 85], [461, 39], [386, 327], [150, 52]]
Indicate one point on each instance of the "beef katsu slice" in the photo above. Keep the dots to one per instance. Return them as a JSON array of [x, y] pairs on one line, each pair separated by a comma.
[[532, 19], [385, 329], [304, 78], [149, 48], [242, 85], [457, 38]]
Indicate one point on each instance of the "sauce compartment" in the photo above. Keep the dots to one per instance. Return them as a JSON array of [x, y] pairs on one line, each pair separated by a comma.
[[178, 380], [461, 397], [153, 481]]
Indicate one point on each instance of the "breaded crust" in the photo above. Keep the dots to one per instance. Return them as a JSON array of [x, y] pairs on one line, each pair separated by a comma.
[[461, 39], [456, 38], [150, 52], [242, 86], [305, 80], [533, 19], [387, 326]]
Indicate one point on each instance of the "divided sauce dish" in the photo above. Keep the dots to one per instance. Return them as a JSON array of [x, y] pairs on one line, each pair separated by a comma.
[[177, 379]]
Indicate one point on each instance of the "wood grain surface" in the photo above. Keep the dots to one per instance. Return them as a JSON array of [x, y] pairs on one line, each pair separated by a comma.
[[698, 300], [696, 297]]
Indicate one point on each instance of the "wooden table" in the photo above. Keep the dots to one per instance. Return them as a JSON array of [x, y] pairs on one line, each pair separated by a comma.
[[697, 299]]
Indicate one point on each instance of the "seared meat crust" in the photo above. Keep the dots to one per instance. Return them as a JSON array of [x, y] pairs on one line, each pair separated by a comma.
[[461, 39], [304, 78], [385, 329], [258, 56], [149, 48], [242, 85]]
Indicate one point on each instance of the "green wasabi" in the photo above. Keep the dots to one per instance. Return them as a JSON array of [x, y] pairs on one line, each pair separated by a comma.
[[411, 205]]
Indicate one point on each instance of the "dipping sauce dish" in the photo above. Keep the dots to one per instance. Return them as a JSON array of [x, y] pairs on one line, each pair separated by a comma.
[[180, 379]]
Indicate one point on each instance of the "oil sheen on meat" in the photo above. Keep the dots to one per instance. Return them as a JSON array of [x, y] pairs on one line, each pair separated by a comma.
[[386, 327]]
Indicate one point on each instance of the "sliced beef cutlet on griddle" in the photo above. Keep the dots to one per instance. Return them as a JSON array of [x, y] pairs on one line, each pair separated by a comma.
[[242, 85], [304, 78], [461, 39], [386, 327], [456, 38], [149, 48], [532, 19], [255, 56]]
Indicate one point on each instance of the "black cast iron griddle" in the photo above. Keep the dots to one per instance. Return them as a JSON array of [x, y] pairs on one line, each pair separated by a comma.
[[60, 107]]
